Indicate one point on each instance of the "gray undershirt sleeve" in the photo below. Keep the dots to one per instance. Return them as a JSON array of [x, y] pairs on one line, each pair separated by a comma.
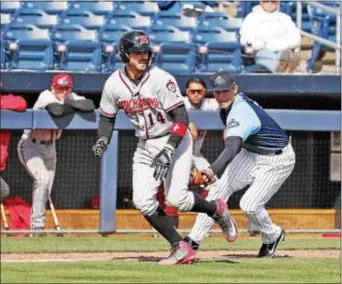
[[232, 148]]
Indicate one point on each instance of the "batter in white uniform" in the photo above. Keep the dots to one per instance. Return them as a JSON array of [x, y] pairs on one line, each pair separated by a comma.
[[152, 100], [37, 148], [258, 154]]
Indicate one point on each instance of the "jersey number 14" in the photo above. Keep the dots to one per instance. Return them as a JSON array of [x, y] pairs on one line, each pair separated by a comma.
[[160, 118]]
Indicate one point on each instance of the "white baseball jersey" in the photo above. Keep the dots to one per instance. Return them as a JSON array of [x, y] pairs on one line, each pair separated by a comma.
[[39, 158], [45, 98], [199, 162], [145, 104]]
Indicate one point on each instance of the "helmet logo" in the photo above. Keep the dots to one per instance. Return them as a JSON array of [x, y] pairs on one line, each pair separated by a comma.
[[143, 39]]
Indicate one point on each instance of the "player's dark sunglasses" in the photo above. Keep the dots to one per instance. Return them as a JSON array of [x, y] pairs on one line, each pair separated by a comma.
[[199, 91]]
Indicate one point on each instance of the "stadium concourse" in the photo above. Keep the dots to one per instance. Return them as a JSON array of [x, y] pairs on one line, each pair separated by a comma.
[[40, 39]]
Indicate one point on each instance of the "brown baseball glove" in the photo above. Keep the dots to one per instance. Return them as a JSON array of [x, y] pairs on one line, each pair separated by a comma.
[[196, 178]]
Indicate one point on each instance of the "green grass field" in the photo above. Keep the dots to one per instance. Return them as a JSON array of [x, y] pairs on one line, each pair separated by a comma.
[[244, 270]]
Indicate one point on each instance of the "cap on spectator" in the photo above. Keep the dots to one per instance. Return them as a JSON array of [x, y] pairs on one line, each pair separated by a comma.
[[222, 81], [62, 80]]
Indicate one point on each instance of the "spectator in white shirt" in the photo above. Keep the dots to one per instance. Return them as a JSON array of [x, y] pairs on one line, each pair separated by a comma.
[[272, 37]]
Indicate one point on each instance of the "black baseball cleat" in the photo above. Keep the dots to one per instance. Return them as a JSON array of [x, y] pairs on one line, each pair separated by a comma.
[[269, 250], [193, 244]]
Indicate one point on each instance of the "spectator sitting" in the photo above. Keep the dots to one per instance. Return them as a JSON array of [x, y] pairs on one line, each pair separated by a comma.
[[271, 36]]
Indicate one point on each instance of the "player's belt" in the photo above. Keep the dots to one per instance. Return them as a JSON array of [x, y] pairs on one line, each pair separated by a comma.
[[159, 136], [265, 152], [35, 141]]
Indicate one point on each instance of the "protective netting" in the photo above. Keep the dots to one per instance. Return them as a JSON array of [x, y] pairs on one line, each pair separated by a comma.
[[78, 171]]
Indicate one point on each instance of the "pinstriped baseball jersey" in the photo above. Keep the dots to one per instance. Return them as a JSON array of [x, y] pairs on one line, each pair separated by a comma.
[[248, 120], [146, 104], [265, 161]]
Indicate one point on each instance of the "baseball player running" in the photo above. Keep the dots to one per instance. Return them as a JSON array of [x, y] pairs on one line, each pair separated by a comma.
[[258, 154], [37, 148], [194, 101], [152, 100]]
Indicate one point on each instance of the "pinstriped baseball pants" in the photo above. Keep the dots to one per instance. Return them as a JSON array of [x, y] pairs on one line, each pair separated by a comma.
[[264, 174]]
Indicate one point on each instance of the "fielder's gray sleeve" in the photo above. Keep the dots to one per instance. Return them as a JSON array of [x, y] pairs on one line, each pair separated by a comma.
[[5, 190]]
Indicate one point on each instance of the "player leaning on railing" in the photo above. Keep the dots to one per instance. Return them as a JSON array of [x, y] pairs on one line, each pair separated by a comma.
[[37, 147], [152, 100]]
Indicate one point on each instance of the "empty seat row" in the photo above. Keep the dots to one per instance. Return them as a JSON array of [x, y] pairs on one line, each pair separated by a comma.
[[132, 19], [73, 47]]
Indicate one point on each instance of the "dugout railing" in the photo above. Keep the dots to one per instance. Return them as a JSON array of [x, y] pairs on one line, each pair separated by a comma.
[[292, 120]]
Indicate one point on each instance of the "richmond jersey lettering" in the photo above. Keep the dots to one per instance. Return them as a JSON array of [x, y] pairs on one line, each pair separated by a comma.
[[146, 104]]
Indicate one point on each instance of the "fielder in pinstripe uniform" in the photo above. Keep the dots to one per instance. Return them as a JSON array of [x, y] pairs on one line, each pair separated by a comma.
[[258, 154]]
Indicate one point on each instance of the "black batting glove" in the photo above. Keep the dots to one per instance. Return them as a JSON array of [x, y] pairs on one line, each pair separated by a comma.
[[162, 162], [100, 146]]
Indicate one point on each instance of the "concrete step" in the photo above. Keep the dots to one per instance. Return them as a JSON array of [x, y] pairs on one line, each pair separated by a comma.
[[330, 69]]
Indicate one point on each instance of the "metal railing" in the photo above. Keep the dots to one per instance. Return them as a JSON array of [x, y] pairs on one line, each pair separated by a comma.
[[328, 43], [300, 120]]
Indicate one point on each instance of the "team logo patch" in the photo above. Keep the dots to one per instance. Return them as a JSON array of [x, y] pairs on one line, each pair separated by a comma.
[[143, 39], [171, 86], [219, 81], [232, 123], [63, 81]]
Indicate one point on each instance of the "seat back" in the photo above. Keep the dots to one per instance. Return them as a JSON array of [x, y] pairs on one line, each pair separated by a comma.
[[145, 8], [9, 7], [177, 57], [211, 34], [110, 33], [5, 19], [49, 7], [82, 56], [83, 18], [35, 17], [220, 19], [16, 31], [176, 19], [169, 34], [130, 19], [95, 7], [69, 32]]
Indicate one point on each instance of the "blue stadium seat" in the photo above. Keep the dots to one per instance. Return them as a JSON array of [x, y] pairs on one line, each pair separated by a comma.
[[83, 18], [110, 33], [145, 8], [82, 48], [49, 7], [4, 20], [109, 36], [177, 57], [34, 49], [3, 54], [35, 17], [131, 19], [218, 49], [212, 34], [220, 19], [169, 34], [177, 19], [9, 7], [96, 7]]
